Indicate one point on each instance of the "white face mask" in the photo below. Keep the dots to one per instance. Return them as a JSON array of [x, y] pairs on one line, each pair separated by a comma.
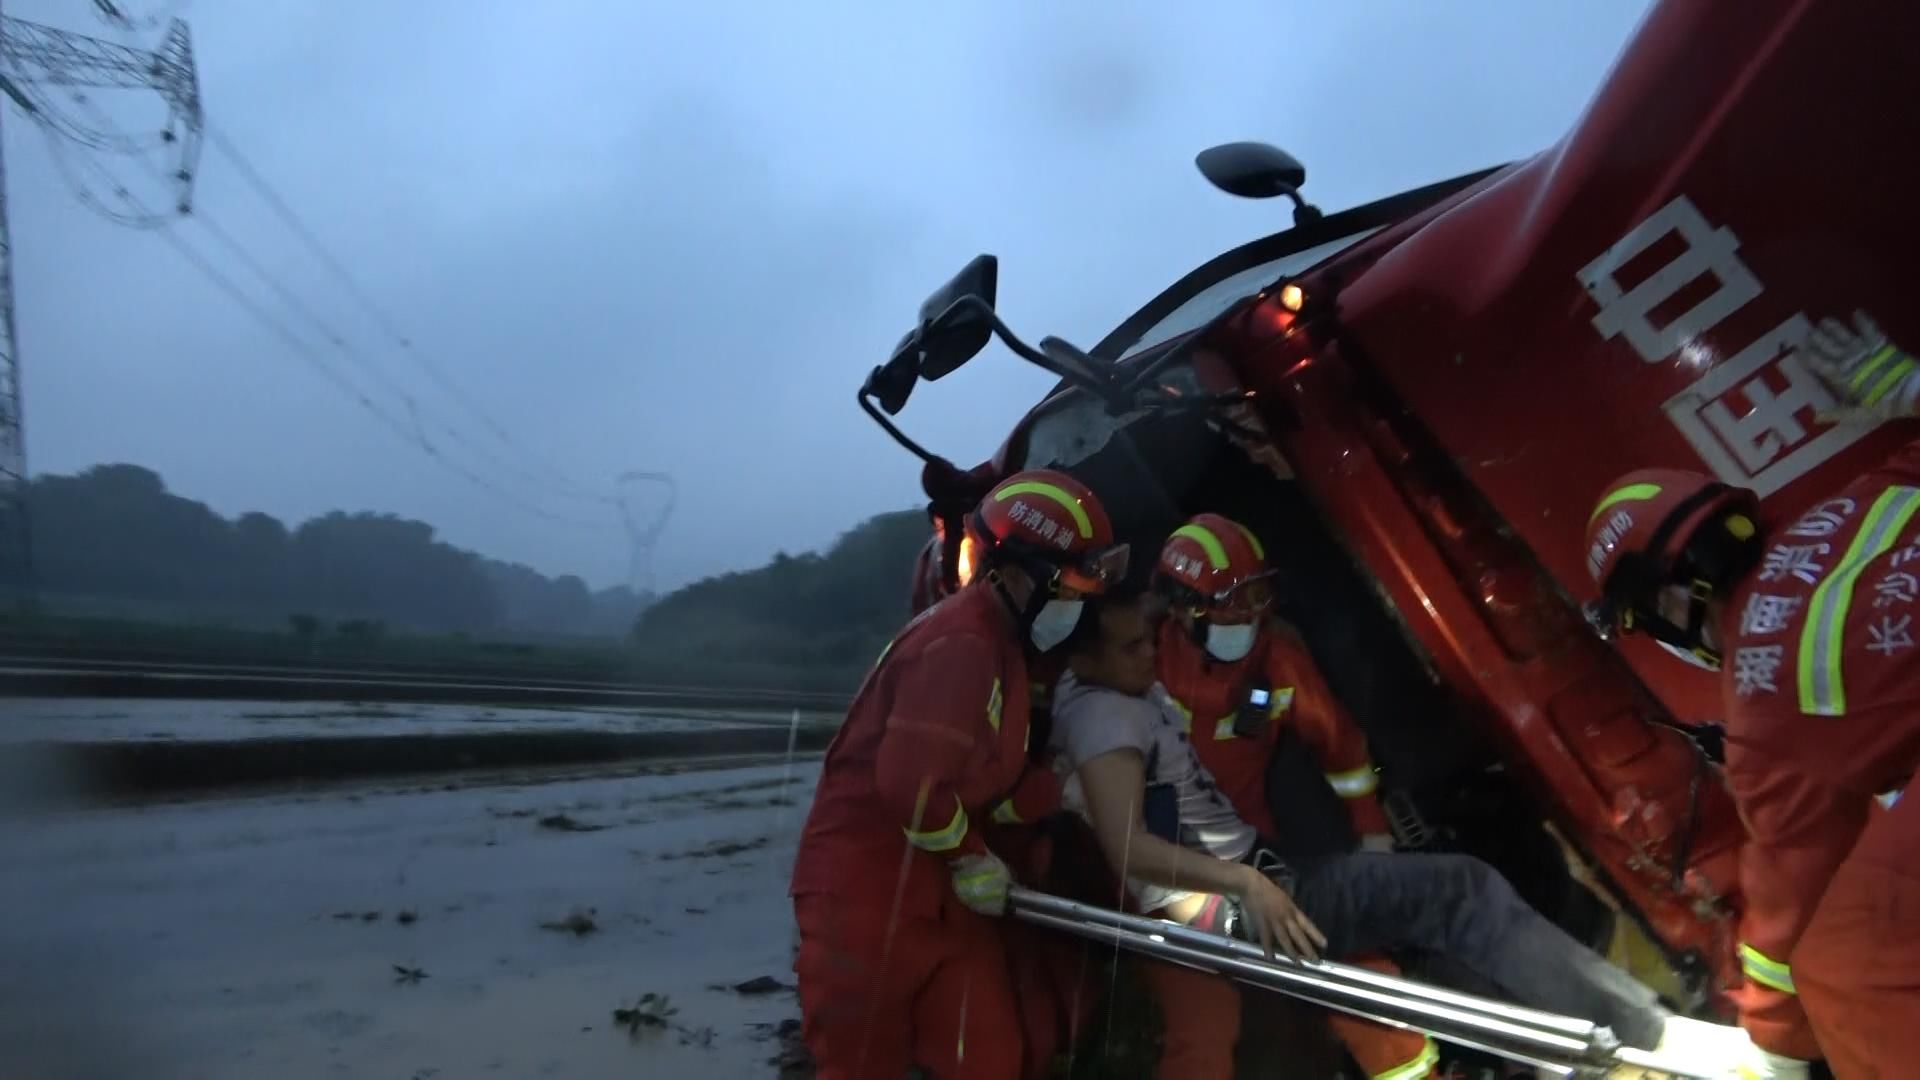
[[1055, 622], [1689, 657], [1230, 643]]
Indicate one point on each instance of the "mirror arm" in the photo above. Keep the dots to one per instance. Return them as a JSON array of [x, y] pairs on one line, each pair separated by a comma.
[[901, 437], [1109, 390]]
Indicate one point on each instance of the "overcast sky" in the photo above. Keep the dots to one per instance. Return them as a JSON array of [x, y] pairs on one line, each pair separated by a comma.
[[676, 236]]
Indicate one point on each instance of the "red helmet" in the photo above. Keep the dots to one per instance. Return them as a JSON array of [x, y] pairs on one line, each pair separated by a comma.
[[1053, 526], [1659, 527], [1217, 565]]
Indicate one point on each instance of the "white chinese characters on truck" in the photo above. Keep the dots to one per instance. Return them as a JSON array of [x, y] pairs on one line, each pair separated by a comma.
[[1750, 417]]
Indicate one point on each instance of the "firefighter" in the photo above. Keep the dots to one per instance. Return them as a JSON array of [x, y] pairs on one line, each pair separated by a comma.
[[1240, 678], [895, 891], [1810, 623]]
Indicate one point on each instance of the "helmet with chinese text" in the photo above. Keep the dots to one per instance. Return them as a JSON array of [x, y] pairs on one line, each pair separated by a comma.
[[1053, 529], [1214, 570], [1660, 532]]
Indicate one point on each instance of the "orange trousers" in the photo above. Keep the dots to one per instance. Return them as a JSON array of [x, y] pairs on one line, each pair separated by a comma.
[[879, 995], [1857, 967], [1201, 1015]]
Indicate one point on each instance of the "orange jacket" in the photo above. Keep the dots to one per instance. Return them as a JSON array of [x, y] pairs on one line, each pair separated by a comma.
[[1822, 690], [1210, 693], [933, 748]]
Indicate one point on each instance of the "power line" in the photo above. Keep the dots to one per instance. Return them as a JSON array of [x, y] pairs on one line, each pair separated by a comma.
[[320, 363], [225, 146], [333, 337]]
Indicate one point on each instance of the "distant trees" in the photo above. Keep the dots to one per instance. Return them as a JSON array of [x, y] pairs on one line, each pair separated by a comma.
[[113, 537], [113, 540], [832, 610]]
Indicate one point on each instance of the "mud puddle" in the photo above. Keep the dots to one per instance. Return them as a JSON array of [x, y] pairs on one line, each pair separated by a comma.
[[408, 933]]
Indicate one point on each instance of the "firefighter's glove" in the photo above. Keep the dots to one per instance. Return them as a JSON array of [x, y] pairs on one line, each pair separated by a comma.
[[1872, 379], [1378, 843], [981, 882], [1767, 1065]]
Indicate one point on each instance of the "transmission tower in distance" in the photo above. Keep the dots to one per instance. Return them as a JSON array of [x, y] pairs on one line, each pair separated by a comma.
[[33, 58], [643, 533]]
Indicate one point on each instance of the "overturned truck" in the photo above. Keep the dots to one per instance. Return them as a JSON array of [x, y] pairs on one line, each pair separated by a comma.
[[1414, 403]]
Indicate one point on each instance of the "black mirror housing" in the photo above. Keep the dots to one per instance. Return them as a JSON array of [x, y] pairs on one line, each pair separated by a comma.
[[1252, 170], [948, 336]]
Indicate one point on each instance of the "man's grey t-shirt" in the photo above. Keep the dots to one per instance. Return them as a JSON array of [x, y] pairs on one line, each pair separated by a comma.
[[1089, 721]]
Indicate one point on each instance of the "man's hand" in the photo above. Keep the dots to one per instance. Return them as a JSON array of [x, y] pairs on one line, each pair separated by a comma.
[[1379, 843], [1872, 379], [981, 882], [1277, 921]]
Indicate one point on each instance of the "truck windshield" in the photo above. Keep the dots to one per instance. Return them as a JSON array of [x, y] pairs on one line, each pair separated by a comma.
[[1213, 301]]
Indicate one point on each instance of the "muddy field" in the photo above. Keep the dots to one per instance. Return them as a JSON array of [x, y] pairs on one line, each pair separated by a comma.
[[453, 928], [27, 719]]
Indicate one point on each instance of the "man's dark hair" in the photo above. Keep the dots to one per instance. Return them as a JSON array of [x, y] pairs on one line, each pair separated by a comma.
[[1089, 633]]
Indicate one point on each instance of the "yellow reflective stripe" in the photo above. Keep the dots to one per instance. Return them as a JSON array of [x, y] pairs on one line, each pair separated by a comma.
[[884, 650], [1259, 551], [1630, 493], [1058, 494], [993, 707], [1415, 1068], [1822, 693], [1282, 701], [1216, 551], [1223, 727], [1355, 783], [1765, 970], [1005, 814], [1887, 382], [941, 840], [1873, 364]]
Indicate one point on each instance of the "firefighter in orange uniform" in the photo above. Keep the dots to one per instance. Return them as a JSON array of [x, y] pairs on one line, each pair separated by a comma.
[[1242, 678], [895, 891], [1812, 626]]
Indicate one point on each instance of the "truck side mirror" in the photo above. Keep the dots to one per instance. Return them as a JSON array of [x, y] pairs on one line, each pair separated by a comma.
[[953, 330], [1255, 170]]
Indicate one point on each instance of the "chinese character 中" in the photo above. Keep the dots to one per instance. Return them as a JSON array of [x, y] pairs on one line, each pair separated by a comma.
[[1754, 668], [1890, 635], [1825, 519], [1794, 560], [1896, 588], [1767, 614]]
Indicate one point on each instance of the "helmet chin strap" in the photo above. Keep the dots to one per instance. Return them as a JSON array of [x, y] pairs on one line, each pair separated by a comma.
[[1689, 638], [1041, 577]]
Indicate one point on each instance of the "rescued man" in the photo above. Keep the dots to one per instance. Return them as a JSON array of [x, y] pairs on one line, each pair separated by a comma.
[[1187, 856]]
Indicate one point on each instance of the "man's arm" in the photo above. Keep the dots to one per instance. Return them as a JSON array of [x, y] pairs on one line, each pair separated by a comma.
[[1115, 785], [1330, 733], [943, 719]]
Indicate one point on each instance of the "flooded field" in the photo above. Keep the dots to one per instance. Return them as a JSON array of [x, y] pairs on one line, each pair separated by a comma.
[[27, 719], [410, 932]]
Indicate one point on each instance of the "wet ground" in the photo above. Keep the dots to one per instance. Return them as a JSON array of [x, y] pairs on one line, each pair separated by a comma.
[[27, 719], [408, 932]]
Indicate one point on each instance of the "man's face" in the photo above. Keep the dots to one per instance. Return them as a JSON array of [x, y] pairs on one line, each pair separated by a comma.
[[1123, 659]]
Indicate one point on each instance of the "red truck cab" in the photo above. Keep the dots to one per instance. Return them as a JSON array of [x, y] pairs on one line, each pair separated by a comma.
[[1450, 377]]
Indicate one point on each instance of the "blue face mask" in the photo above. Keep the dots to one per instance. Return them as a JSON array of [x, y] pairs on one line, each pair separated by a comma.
[[1228, 644], [1055, 623]]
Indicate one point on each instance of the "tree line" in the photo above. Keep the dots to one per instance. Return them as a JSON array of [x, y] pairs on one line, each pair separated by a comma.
[[113, 540]]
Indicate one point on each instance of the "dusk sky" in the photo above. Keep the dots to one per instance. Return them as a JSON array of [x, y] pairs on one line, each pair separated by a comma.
[[676, 236]]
